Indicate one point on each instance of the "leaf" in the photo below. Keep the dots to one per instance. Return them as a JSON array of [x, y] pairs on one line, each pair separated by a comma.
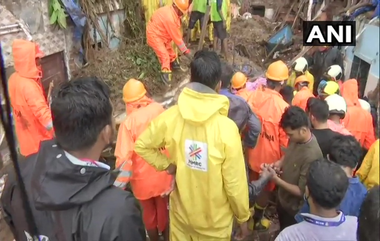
[[142, 75], [53, 17], [56, 5], [62, 19]]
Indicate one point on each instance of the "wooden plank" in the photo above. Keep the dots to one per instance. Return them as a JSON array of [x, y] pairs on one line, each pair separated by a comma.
[[204, 26]]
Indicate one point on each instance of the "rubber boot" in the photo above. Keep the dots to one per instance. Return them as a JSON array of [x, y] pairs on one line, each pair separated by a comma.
[[166, 77], [175, 65], [260, 222]]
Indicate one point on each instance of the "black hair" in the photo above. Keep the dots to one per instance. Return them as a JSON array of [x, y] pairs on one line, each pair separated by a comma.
[[80, 108], [272, 84], [287, 93], [294, 117], [227, 73], [206, 68], [327, 183], [368, 220], [318, 108], [345, 151]]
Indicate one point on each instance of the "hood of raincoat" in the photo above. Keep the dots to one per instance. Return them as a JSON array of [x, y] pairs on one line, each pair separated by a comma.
[[131, 107], [24, 57], [198, 103], [59, 184], [350, 92]]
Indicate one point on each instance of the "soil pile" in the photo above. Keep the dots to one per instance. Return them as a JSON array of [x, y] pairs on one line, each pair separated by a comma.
[[129, 61]]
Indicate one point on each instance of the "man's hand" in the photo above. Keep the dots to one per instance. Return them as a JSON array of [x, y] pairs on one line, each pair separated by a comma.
[[242, 231], [189, 54], [171, 169], [268, 172]]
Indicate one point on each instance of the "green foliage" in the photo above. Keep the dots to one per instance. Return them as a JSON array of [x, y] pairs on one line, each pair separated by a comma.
[[145, 60], [57, 14]]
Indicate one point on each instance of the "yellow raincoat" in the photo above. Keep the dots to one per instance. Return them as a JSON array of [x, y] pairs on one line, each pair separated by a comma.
[[205, 146], [368, 172]]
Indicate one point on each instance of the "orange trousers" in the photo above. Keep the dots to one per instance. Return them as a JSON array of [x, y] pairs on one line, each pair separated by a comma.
[[155, 213], [164, 51]]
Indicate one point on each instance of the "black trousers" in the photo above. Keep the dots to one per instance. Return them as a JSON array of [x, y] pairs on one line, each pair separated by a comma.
[[284, 217]]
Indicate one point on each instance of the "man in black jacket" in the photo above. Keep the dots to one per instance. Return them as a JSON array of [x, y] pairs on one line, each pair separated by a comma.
[[70, 192]]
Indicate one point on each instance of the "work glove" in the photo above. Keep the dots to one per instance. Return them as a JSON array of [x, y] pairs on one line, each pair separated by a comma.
[[189, 54]]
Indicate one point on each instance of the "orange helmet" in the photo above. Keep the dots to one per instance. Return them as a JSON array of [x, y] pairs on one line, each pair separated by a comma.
[[182, 5], [301, 79], [277, 71], [238, 80], [133, 90]]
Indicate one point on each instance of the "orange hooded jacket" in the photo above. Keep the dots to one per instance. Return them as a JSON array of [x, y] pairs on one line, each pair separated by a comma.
[[357, 120], [146, 182], [269, 106], [30, 110], [300, 99]]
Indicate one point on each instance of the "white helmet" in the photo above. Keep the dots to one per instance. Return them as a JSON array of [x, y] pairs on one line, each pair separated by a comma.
[[335, 72], [300, 65], [337, 105], [365, 105]]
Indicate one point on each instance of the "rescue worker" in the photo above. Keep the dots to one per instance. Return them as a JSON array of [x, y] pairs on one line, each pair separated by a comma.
[[357, 120], [238, 85], [218, 16], [300, 67], [163, 28], [334, 73], [327, 88], [268, 104], [321, 59], [72, 195], [31, 112], [303, 92], [148, 185], [337, 112], [369, 172], [198, 10], [208, 161]]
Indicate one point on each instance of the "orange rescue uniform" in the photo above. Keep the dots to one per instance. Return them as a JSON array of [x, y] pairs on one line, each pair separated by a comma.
[[147, 183], [357, 120], [269, 106], [162, 29], [244, 93], [30, 109], [301, 97]]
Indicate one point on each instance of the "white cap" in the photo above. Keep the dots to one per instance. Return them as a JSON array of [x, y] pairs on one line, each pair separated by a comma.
[[336, 103], [300, 65], [365, 105], [334, 71]]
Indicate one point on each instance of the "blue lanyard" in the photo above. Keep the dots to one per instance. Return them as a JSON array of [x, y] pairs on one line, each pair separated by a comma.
[[325, 223]]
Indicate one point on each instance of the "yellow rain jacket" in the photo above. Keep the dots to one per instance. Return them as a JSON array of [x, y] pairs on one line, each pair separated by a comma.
[[205, 145], [368, 172], [292, 79]]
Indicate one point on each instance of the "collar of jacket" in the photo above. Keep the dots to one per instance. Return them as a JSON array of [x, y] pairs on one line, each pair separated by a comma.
[[201, 88], [58, 183]]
